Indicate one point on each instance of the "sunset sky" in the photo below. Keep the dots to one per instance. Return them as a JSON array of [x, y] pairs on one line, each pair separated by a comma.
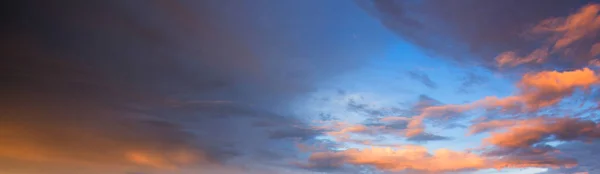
[[300, 87]]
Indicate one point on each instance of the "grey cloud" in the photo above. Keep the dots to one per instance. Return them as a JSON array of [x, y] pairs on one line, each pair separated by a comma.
[[327, 117], [302, 133], [325, 163], [424, 137], [399, 125], [370, 111], [540, 149], [414, 108], [584, 153], [469, 81], [423, 102], [363, 109], [423, 78]]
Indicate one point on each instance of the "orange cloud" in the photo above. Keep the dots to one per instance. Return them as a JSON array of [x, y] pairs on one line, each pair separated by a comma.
[[574, 27], [549, 87], [511, 59], [416, 127], [536, 90], [31, 146], [565, 31], [56, 136], [530, 132], [490, 125], [164, 160], [415, 158], [543, 162], [418, 158], [345, 132]]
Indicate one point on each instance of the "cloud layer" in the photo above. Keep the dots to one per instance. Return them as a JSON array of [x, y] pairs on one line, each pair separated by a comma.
[[161, 86]]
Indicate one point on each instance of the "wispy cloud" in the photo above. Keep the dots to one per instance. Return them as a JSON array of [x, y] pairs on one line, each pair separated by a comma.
[[423, 78]]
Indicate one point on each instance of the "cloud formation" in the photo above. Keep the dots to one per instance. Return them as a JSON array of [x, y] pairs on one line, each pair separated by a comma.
[[525, 141], [548, 55], [529, 132], [212, 86], [580, 26], [536, 91], [413, 158], [418, 158], [161, 86], [481, 31]]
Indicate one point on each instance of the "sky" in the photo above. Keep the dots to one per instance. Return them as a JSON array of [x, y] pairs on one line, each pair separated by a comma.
[[300, 87]]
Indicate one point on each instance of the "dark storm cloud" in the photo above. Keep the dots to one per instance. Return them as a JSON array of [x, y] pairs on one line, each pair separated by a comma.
[[473, 31], [423, 78], [158, 84]]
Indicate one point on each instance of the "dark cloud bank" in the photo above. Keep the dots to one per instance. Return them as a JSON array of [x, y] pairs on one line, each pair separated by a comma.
[[475, 32], [136, 86]]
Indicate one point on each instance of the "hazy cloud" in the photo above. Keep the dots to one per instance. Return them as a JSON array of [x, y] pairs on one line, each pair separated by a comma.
[[423, 78]]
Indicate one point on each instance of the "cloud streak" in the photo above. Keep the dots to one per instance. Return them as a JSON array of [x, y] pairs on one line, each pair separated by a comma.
[[423, 78]]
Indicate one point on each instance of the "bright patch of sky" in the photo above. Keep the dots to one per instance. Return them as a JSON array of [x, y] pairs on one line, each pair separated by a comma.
[[383, 83]]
